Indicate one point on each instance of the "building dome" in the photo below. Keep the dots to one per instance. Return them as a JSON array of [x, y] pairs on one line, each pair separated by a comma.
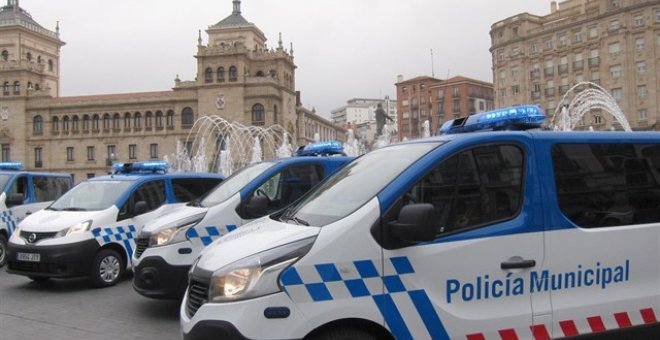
[[12, 14]]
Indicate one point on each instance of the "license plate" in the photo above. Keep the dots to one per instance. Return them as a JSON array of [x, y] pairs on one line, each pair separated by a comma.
[[29, 257]]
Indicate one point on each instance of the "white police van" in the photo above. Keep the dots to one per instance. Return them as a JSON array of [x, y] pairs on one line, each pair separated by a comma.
[[484, 235], [91, 230], [22, 193], [167, 246]]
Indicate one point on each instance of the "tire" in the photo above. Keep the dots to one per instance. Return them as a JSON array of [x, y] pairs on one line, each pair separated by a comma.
[[3, 250], [107, 268], [345, 334]]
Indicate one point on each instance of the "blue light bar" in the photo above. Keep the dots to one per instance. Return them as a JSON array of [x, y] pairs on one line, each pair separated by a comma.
[[510, 118], [140, 167], [14, 166], [321, 149]]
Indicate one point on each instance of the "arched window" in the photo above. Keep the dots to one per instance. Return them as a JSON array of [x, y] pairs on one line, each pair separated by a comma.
[[106, 121], [159, 120], [148, 120], [170, 119], [116, 121], [187, 117], [29, 85], [5, 88], [127, 121], [28, 56], [233, 73], [274, 114], [95, 122], [65, 124], [221, 74], [260, 73], [138, 120], [38, 59], [55, 124], [208, 75], [50, 64], [273, 74], [258, 114], [36, 87], [37, 125], [17, 87], [75, 123], [5, 55], [86, 123]]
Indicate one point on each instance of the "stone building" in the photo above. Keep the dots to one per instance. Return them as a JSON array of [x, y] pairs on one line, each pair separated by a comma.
[[613, 43], [238, 78]]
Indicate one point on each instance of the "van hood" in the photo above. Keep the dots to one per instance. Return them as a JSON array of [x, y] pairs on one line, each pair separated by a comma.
[[53, 221], [171, 216], [253, 238]]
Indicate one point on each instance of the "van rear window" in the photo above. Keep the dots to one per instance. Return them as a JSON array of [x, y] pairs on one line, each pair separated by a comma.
[[602, 185]]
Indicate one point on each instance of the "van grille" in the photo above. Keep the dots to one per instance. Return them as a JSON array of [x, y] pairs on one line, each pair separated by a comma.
[[27, 236], [198, 293], [141, 245]]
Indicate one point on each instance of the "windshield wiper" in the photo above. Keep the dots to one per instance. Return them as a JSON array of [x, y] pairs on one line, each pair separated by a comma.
[[53, 209], [295, 219], [195, 203], [74, 209]]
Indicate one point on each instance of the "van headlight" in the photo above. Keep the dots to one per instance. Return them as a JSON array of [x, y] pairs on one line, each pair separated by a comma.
[[175, 232], [75, 229], [257, 275]]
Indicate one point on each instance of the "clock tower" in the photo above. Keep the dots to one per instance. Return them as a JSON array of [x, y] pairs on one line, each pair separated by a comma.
[[29, 68]]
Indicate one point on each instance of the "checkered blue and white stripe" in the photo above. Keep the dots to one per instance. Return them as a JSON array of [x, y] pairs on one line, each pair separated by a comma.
[[8, 221], [123, 235], [363, 279], [206, 235]]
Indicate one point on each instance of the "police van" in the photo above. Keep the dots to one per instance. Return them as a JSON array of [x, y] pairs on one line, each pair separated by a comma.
[[167, 246], [90, 230], [476, 235], [23, 193]]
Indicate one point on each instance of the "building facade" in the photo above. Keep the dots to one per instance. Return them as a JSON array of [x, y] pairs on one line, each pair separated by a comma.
[[434, 100], [238, 78], [359, 114], [613, 43]]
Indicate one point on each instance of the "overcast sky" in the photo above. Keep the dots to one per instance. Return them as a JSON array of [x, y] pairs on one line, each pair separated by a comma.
[[343, 48]]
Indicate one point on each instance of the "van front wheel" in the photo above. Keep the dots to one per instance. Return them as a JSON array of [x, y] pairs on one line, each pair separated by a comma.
[[345, 334], [3, 250], [107, 268]]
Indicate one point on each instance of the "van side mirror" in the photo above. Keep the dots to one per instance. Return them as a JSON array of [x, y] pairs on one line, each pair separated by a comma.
[[14, 200], [414, 223], [140, 208], [256, 206]]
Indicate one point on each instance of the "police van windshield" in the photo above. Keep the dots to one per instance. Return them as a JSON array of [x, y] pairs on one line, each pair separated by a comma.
[[355, 184], [91, 196], [3, 181], [234, 183]]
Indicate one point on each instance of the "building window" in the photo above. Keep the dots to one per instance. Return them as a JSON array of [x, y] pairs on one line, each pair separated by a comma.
[[127, 121], [38, 163], [5, 88], [187, 117], [148, 120], [258, 115], [95, 122], [502, 76], [562, 39], [577, 36], [641, 67], [106, 121], [598, 120], [85, 123], [132, 151], [5, 55], [69, 154], [639, 43], [28, 56], [75, 124], [638, 20], [208, 75], [615, 71], [153, 151], [221, 74], [65, 124], [657, 16], [548, 44], [515, 90], [6, 154], [233, 73], [614, 48], [159, 120], [111, 155], [37, 125], [534, 47], [456, 105], [50, 65], [642, 115], [615, 3], [90, 153], [537, 87], [17, 87], [170, 119], [116, 121], [55, 124], [617, 94], [642, 91], [90, 175], [593, 32], [614, 25], [138, 121]]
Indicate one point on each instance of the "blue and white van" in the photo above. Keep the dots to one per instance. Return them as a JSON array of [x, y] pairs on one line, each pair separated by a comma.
[[167, 246], [90, 230], [475, 235], [23, 193]]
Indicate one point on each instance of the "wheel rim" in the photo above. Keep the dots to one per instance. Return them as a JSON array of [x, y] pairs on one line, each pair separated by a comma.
[[109, 269]]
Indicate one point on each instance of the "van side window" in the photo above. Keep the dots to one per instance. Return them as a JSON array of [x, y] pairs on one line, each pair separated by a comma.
[[189, 189], [48, 188], [20, 187], [152, 193], [602, 185], [475, 187]]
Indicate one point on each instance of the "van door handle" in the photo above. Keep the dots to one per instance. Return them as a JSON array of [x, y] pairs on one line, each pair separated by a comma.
[[518, 264], [28, 213]]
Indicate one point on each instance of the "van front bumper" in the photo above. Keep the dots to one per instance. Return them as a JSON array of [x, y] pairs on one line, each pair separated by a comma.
[[59, 261], [156, 278]]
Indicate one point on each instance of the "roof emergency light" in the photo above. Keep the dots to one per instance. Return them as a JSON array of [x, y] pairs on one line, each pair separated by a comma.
[[521, 117], [321, 149], [140, 167], [14, 166]]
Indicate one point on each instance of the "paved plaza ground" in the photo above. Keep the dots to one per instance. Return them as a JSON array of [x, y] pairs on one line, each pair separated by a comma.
[[70, 309]]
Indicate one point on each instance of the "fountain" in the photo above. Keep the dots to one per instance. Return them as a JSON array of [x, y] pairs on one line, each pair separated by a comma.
[[592, 97], [352, 146], [215, 144], [384, 139], [426, 129]]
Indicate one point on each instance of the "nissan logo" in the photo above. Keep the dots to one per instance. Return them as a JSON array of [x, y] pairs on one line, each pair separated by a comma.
[[32, 237]]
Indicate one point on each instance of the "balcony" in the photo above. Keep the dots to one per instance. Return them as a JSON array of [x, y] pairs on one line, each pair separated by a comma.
[[108, 161], [594, 62], [578, 66], [563, 89], [536, 94], [535, 73], [550, 92], [549, 71], [38, 164], [562, 69]]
